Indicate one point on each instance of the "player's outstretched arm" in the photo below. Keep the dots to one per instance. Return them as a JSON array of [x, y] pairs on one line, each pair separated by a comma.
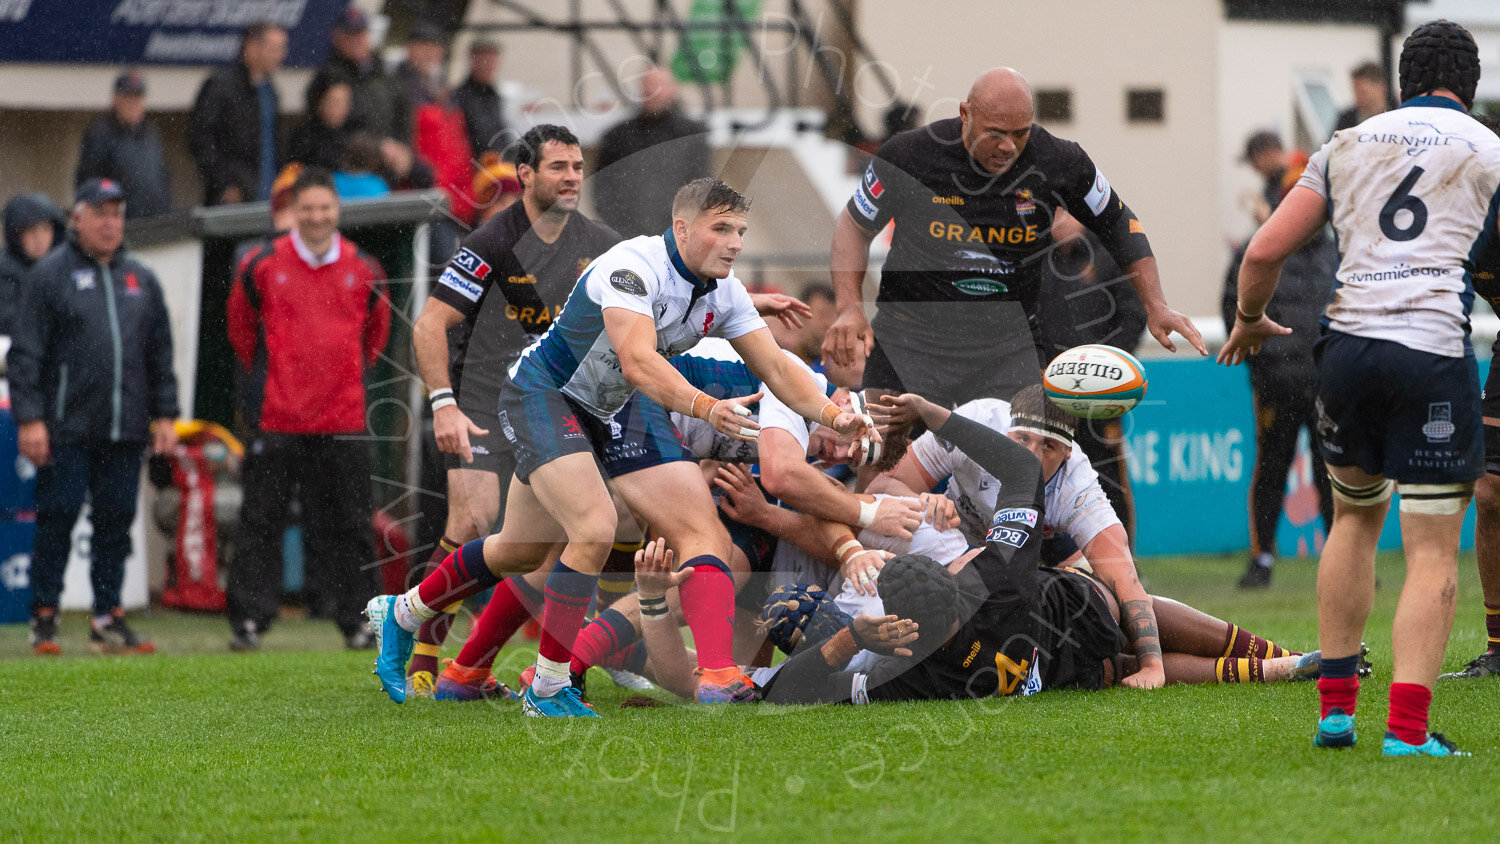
[[1109, 555], [1299, 216], [451, 427], [790, 381], [633, 337]]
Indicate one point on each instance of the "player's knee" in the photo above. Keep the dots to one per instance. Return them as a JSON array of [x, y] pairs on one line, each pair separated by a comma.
[[1375, 494], [1436, 499], [1487, 497]]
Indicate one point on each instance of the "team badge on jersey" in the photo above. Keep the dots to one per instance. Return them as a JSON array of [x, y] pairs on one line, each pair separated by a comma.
[[626, 281], [472, 264], [1098, 196], [1025, 204]]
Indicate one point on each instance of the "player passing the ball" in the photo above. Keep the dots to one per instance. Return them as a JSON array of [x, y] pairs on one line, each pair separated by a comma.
[[640, 303], [1412, 194]]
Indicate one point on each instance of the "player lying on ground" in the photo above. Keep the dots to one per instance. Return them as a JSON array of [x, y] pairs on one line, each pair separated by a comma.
[[1075, 503], [639, 304], [790, 441]]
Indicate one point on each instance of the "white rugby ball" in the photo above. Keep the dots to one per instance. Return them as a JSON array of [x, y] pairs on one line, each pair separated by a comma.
[[1095, 381]]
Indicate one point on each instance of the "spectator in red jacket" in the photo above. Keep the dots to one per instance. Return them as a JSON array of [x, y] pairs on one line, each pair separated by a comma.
[[311, 310]]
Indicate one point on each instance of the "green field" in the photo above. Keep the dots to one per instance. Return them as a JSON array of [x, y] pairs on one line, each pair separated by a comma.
[[297, 742]]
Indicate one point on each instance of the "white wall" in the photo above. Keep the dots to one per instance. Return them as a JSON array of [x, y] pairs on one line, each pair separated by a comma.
[[1258, 63]]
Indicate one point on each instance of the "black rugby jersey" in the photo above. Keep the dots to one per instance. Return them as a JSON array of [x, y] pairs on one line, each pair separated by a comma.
[[509, 285], [963, 234]]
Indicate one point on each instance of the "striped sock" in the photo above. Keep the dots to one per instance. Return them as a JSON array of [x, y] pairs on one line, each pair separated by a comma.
[[1492, 626], [430, 638], [1242, 643], [603, 636], [513, 604], [1240, 670], [462, 574]]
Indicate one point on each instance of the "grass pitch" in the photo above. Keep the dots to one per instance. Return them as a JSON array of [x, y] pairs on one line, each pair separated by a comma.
[[298, 742]]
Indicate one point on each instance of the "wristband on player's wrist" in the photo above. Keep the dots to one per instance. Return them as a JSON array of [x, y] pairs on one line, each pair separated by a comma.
[[1248, 319], [840, 648], [702, 406], [440, 398], [847, 548], [828, 415], [653, 607]]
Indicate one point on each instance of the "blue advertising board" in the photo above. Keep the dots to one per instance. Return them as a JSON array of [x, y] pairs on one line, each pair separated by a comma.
[[190, 32], [1191, 450]]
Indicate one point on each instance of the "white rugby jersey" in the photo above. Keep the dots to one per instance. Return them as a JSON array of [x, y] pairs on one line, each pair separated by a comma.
[[717, 362], [1412, 196], [644, 275], [1076, 504]]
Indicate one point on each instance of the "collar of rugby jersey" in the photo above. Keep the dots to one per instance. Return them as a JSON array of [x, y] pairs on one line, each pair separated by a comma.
[[1429, 101], [316, 261]]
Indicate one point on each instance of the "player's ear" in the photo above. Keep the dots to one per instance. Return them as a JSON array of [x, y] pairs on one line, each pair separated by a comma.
[[679, 229]]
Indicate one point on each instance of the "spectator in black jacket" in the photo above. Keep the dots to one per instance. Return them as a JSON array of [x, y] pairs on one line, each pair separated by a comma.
[[319, 140], [33, 225], [644, 160], [1372, 95], [232, 127], [479, 100], [91, 384], [380, 106], [122, 146]]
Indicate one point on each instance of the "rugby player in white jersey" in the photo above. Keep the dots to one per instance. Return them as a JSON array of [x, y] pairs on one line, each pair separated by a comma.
[[1412, 195], [1075, 503], [640, 303]]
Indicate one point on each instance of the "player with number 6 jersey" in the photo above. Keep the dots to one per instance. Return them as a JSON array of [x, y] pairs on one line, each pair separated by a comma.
[[1413, 195]]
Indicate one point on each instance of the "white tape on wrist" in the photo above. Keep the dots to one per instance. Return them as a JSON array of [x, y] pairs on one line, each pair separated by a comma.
[[867, 513]]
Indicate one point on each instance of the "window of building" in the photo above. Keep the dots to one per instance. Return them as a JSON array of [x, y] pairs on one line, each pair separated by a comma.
[[1145, 105], [1054, 105]]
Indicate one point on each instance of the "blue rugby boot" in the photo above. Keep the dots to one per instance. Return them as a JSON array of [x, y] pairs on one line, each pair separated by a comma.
[[1336, 731], [394, 644]]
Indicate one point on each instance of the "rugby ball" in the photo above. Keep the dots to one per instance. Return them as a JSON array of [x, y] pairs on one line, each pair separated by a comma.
[[1095, 381]]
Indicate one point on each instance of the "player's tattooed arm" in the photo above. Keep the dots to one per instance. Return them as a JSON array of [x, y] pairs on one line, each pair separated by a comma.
[[1138, 620]]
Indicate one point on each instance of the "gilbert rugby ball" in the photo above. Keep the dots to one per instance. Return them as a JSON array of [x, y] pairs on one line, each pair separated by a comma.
[[1095, 382]]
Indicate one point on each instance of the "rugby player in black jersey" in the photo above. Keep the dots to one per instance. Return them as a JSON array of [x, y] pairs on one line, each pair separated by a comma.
[[973, 199], [494, 298]]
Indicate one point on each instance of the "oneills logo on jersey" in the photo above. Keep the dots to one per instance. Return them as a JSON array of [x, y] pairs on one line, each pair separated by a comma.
[[948, 200], [522, 279], [626, 281]]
